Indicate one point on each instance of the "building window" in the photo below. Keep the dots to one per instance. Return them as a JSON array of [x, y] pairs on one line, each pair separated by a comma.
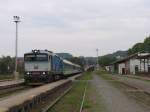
[[136, 69]]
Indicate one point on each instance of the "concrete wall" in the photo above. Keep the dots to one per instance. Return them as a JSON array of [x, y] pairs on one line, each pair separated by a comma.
[[147, 63], [112, 69], [133, 63], [136, 62]]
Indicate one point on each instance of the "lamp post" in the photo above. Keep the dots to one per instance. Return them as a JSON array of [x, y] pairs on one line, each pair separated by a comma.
[[16, 20]]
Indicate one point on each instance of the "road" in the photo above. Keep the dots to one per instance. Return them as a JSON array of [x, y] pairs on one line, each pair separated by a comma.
[[114, 99]]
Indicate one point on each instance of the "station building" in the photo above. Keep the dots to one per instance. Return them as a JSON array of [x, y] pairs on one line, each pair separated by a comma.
[[138, 63]]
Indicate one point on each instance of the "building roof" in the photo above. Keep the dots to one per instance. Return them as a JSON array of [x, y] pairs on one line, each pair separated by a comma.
[[136, 55]]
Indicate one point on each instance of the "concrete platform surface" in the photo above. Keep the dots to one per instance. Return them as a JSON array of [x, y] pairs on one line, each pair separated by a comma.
[[21, 98], [12, 82]]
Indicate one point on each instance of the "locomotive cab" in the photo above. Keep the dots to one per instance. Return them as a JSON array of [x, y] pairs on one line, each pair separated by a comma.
[[43, 66], [37, 67]]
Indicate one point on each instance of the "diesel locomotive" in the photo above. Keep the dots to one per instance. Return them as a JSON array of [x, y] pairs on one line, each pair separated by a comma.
[[43, 66]]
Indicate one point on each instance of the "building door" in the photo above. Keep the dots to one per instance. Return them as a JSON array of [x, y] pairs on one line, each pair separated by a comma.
[[123, 71], [136, 69], [148, 68]]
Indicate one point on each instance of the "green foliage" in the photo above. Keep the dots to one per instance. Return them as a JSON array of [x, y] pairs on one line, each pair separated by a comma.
[[109, 58], [106, 60], [138, 47], [72, 100], [102, 71], [6, 65], [78, 60], [86, 76], [147, 44]]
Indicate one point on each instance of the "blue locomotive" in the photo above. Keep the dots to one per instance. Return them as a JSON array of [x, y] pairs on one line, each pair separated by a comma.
[[43, 66]]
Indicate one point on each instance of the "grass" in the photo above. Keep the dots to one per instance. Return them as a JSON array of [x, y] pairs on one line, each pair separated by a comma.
[[93, 101], [71, 102], [86, 76], [104, 74]]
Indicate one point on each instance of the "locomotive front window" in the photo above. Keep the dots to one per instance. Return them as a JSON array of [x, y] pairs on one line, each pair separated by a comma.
[[36, 57]]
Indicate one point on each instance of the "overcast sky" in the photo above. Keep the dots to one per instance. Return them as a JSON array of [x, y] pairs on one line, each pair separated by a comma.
[[74, 26]]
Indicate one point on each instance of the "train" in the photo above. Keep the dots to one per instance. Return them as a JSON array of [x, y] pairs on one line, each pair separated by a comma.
[[43, 66]]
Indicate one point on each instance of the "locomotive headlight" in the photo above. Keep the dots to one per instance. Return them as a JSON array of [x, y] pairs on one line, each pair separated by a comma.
[[43, 73], [28, 73]]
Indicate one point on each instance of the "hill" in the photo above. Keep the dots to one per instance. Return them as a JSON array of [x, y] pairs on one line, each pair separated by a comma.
[[119, 54], [109, 58]]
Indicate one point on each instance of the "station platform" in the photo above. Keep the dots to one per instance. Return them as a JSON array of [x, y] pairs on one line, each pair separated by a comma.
[[24, 101], [11, 83]]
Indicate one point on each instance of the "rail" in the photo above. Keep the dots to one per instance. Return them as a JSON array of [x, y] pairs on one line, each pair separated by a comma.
[[83, 97], [55, 101]]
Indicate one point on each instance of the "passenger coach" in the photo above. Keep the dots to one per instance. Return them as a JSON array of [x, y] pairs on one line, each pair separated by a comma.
[[43, 66]]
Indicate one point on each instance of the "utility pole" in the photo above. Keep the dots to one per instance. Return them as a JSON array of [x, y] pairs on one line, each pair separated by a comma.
[[16, 20], [97, 58]]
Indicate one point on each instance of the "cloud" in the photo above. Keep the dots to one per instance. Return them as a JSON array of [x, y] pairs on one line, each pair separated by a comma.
[[76, 26]]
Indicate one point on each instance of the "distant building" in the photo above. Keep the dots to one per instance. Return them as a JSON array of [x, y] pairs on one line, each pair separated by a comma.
[[138, 63]]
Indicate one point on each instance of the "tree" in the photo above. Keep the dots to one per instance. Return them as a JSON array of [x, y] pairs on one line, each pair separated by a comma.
[[78, 60], [138, 47], [106, 60], [147, 44], [6, 65]]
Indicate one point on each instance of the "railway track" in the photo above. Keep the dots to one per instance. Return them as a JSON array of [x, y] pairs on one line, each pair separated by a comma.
[[131, 89], [9, 87], [13, 91], [52, 104], [26, 99], [6, 80], [83, 97], [46, 109], [10, 84], [140, 95]]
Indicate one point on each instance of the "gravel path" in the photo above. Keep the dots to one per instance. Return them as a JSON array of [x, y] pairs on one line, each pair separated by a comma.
[[114, 99]]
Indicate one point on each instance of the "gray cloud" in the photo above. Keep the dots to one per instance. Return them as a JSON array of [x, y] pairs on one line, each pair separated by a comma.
[[75, 26]]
